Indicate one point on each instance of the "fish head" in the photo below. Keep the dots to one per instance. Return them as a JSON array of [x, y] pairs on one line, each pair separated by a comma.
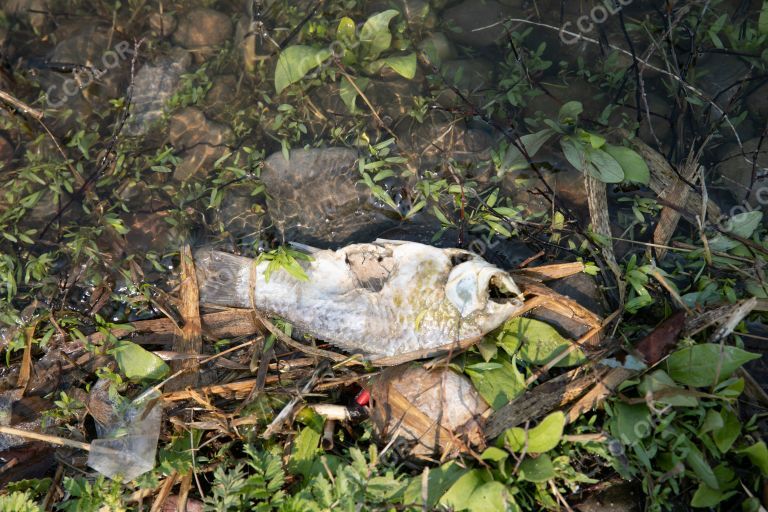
[[482, 293]]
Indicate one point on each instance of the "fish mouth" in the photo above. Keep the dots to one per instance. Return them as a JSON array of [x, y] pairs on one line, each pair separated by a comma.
[[503, 290], [476, 285]]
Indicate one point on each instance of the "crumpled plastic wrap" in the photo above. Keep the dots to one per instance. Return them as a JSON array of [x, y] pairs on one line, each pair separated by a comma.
[[128, 448]]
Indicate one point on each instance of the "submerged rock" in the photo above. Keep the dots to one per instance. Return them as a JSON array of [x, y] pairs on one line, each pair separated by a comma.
[[202, 30], [153, 86], [202, 141], [316, 196]]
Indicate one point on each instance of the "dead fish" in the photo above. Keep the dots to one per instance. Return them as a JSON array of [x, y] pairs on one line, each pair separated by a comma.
[[381, 299]]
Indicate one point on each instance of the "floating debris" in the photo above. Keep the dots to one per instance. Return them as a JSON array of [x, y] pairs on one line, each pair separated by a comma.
[[381, 299]]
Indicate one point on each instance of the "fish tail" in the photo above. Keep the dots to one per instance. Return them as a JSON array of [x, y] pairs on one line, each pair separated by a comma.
[[223, 279]]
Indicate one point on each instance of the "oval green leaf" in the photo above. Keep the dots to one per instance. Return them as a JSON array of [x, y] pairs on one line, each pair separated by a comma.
[[542, 438], [539, 342], [295, 62], [634, 167], [404, 65], [706, 364], [539, 469], [137, 363], [375, 34]]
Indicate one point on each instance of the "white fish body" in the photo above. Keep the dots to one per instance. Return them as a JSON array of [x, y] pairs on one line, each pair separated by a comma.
[[381, 299]]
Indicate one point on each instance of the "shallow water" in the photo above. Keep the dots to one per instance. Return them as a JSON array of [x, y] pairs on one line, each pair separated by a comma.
[[198, 154]]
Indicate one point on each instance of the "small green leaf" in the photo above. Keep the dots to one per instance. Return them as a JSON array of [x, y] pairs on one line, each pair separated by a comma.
[[348, 93], [630, 423], [758, 455], [494, 454], [295, 62], [403, 65], [604, 167], [762, 20], [497, 384], [539, 342], [659, 383], [539, 469], [569, 112], [744, 224], [700, 467], [438, 482], [634, 167], [706, 364], [726, 435], [539, 439], [514, 160], [490, 497], [345, 32], [459, 495], [137, 363], [375, 34], [712, 421]]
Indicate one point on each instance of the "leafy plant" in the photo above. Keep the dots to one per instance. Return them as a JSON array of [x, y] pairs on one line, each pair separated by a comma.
[[360, 47], [284, 258], [676, 437]]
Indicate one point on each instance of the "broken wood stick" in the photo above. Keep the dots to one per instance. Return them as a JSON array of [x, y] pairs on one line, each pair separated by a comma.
[[191, 340]]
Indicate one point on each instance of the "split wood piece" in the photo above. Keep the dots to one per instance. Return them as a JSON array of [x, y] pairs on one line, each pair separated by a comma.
[[227, 323], [25, 371], [599, 216], [550, 272], [663, 176], [675, 193], [191, 340], [541, 400]]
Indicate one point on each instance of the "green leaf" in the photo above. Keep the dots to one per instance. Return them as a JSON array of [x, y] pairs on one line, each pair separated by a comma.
[[707, 497], [698, 365], [497, 384], [494, 454], [569, 112], [726, 435], [295, 62], [539, 469], [514, 160], [459, 496], [538, 341], [345, 32], [744, 224], [630, 423], [604, 167], [659, 382], [541, 438], [634, 167], [491, 497], [438, 482], [305, 450], [758, 455], [700, 467], [137, 363], [762, 20], [375, 34], [403, 65], [712, 421], [349, 94]]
